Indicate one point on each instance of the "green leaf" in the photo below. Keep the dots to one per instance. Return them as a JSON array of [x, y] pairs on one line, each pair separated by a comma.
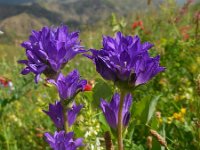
[[102, 120], [88, 95], [101, 90], [152, 107], [140, 109]]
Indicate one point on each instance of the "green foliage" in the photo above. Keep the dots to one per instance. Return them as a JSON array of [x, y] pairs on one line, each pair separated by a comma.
[[152, 107], [101, 90], [116, 24]]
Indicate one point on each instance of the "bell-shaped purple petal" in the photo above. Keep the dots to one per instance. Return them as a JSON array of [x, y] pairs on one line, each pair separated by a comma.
[[110, 110], [63, 141], [49, 49], [70, 85], [125, 61], [55, 112], [150, 70], [72, 113], [50, 139], [78, 142]]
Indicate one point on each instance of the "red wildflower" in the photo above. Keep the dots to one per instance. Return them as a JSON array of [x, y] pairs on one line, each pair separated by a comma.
[[185, 32], [88, 87], [137, 24], [4, 81]]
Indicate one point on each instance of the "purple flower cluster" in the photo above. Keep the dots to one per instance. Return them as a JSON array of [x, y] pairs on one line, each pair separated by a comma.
[[67, 87], [63, 141], [70, 85], [126, 61], [123, 60], [49, 49]]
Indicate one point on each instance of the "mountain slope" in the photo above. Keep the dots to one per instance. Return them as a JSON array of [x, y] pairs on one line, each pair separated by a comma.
[[71, 12], [21, 24], [82, 12], [34, 9]]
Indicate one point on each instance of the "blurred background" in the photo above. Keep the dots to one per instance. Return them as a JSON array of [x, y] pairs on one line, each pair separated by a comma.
[[19, 17], [173, 26]]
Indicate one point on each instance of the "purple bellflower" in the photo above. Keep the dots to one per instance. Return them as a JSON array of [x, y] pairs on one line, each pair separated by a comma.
[[125, 61], [55, 112], [72, 113], [49, 49], [70, 85], [63, 141], [110, 110]]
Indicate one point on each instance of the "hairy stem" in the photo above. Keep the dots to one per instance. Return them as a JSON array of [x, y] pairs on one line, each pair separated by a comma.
[[120, 122], [65, 116]]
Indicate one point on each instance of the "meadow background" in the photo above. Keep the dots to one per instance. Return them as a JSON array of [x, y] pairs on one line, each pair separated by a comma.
[[169, 103]]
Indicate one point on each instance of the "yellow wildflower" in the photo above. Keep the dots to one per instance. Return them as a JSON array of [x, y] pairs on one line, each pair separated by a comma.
[[175, 116], [169, 120], [183, 111], [160, 120]]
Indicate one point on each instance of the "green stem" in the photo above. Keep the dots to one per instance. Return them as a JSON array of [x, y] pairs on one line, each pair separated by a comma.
[[65, 116], [167, 148], [120, 125], [175, 28]]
